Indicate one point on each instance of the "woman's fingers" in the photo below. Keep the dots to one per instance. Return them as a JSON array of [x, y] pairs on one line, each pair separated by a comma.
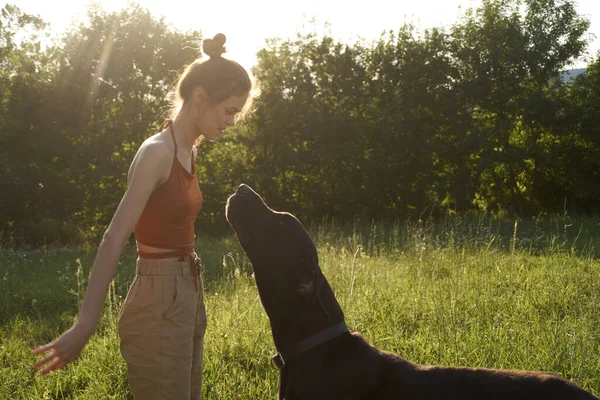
[[51, 362], [43, 349], [44, 360], [56, 364], [62, 351], [55, 361]]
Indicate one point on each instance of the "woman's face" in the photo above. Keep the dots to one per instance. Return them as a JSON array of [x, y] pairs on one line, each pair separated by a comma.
[[220, 116]]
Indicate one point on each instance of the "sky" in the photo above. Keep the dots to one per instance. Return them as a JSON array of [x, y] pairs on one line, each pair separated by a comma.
[[248, 23]]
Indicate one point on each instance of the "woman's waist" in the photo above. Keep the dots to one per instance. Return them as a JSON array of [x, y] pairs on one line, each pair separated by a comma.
[[165, 252]]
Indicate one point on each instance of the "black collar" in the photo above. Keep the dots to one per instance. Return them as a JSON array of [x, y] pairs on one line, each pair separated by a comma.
[[282, 358]]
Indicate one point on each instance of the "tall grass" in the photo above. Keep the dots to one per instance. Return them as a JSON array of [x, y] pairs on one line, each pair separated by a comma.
[[464, 291]]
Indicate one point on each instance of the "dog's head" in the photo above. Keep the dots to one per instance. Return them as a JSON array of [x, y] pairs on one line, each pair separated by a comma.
[[292, 288]]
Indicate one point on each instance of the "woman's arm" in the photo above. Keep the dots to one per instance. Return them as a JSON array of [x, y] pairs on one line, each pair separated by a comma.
[[150, 166]]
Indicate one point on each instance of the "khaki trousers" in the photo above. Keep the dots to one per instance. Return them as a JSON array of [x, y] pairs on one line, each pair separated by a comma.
[[161, 328]]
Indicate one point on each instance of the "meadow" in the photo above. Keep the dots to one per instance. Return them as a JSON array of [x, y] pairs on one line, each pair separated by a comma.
[[469, 291]]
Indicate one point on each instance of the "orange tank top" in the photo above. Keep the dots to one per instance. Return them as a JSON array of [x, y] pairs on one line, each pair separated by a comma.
[[169, 215]]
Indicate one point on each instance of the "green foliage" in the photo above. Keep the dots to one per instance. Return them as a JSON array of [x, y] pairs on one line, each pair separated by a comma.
[[72, 125], [472, 118], [582, 173], [510, 54]]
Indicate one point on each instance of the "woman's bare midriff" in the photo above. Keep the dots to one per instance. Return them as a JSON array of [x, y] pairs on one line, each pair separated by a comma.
[[157, 250]]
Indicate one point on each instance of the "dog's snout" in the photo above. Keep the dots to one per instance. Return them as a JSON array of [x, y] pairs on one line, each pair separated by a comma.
[[243, 189]]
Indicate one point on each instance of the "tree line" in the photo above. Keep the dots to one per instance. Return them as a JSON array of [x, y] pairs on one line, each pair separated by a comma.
[[474, 117]]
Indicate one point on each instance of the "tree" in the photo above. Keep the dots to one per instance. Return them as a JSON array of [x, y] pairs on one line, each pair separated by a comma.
[[509, 54], [305, 137], [580, 174], [73, 117], [27, 70]]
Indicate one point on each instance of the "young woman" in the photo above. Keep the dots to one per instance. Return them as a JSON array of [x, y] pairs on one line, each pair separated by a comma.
[[163, 319]]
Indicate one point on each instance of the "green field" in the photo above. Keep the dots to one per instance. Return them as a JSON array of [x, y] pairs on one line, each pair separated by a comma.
[[464, 292]]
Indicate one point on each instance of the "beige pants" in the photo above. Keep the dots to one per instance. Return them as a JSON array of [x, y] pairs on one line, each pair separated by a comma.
[[161, 326]]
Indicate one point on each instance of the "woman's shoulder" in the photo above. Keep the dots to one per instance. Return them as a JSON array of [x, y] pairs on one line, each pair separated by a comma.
[[154, 157], [161, 139], [158, 145]]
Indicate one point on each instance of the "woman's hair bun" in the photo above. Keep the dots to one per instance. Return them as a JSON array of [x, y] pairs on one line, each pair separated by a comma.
[[214, 47]]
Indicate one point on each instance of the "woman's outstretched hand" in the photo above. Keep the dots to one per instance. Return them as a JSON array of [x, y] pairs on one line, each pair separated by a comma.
[[62, 351]]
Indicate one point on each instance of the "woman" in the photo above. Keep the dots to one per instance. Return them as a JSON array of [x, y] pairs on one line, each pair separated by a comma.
[[163, 319]]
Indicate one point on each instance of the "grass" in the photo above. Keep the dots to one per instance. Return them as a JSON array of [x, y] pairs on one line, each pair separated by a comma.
[[463, 292]]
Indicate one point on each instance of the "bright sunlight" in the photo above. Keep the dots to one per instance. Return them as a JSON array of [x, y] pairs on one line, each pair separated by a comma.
[[248, 23]]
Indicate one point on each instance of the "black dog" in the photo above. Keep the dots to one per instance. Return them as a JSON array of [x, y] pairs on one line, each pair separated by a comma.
[[319, 358]]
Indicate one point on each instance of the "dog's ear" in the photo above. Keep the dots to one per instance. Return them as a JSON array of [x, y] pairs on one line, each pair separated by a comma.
[[308, 282], [313, 286], [306, 289], [309, 271]]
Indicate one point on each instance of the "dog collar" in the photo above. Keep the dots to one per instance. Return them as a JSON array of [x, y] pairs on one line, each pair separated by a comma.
[[282, 358]]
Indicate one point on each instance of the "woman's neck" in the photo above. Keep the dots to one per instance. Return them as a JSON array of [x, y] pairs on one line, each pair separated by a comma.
[[185, 131]]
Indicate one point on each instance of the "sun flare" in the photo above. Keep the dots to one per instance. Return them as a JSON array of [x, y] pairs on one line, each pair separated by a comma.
[[247, 24]]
